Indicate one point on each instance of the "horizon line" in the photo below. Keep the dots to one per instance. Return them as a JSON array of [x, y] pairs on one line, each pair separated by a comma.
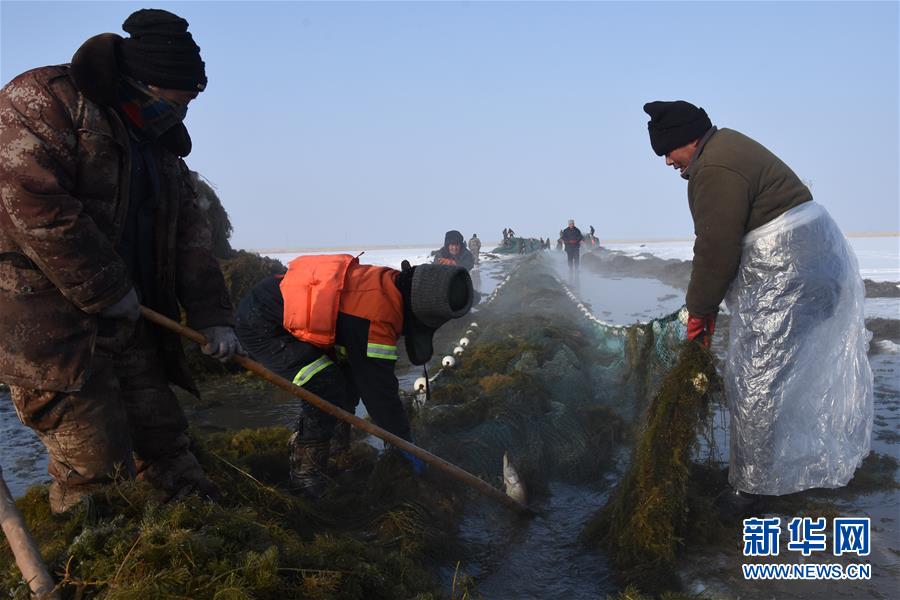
[[857, 234]]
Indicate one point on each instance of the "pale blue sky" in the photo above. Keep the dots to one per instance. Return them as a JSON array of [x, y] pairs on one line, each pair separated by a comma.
[[345, 123]]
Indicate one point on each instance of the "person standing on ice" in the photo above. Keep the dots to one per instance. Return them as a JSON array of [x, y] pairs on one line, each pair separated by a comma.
[[454, 252], [797, 377], [331, 325], [571, 237], [475, 246], [98, 211]]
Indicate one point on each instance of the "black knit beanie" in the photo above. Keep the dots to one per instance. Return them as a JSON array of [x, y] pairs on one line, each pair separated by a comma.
[[453, 237], [161, 52], [675, 124]]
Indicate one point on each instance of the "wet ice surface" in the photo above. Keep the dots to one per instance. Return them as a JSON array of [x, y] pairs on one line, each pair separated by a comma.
[[882, 308], [618, 300], [226, 407], [879, 256]]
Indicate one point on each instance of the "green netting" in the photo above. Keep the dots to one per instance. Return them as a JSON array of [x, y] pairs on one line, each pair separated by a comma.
[[552, 386]]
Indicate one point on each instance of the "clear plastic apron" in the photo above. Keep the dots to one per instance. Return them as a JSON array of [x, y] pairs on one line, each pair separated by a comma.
[[797, 376]]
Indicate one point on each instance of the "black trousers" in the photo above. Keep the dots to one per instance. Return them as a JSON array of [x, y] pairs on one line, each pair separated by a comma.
[[265, 339], [572, 256]]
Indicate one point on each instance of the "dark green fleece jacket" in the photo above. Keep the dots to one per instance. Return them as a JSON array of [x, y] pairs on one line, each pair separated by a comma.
[[734, 185]]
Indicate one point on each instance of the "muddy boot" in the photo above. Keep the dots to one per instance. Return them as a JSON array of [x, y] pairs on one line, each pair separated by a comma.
[[340, 446], [176, 476], [62, 498], [308, 461]]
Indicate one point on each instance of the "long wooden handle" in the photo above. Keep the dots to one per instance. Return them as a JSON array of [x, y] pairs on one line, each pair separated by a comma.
[[26, 552], [327, 407]]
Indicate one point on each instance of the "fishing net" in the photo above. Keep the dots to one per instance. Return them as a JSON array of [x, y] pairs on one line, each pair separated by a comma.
[[545, 381], [542, 379]]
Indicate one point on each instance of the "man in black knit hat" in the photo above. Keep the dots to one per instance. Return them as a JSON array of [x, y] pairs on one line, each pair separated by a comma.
[[98, 213], [454, 251], [795, 297]]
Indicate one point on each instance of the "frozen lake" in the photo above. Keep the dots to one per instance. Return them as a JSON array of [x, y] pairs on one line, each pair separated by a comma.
[[620, 300], [879, 256]]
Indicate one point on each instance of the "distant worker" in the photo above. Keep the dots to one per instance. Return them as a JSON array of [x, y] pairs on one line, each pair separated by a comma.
[[98, 213], [797, 379], [475, 247], [572, 237], [331, 325], [505, 235], [454, 252]]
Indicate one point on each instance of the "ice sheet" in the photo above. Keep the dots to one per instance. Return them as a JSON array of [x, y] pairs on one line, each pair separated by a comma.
[[879, 256]]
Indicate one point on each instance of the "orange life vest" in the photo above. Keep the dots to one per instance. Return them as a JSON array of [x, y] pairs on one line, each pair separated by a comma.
[[316, 288]]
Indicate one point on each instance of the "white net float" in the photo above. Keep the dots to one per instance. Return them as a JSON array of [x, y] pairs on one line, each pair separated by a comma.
[[448, 362]]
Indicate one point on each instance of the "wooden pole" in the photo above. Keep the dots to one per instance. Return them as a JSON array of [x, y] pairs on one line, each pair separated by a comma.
[[26, 552], [327, 407]]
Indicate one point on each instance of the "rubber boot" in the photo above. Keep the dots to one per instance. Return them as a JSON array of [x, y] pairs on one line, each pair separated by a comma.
[[340, 446], [308, 460]]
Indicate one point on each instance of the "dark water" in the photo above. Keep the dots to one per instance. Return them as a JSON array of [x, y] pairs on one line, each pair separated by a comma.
[[22, 455], [513, 557]]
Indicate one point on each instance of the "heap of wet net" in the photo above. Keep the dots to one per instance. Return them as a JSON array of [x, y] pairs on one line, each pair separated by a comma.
[[566, 396], [374, 535], [543, 381], [646, 518]]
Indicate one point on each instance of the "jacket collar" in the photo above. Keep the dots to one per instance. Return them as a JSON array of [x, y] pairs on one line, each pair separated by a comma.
[[697, 151]]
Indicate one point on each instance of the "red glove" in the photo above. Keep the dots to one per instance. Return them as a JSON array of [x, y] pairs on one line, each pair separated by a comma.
[[701, 328]]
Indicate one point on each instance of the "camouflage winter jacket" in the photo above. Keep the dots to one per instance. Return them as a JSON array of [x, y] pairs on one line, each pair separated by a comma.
[[64, 191]]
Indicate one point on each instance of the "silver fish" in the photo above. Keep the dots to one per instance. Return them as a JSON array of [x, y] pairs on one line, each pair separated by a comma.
[[515, 488]]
